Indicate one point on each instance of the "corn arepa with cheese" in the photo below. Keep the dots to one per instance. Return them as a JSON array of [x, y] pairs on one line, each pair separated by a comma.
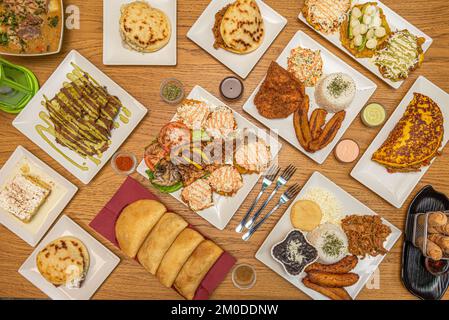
[[239, 27], [64, 261], [144, 28]]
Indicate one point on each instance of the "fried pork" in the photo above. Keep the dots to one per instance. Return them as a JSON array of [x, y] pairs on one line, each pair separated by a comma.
[[366, 235], [280, 95]]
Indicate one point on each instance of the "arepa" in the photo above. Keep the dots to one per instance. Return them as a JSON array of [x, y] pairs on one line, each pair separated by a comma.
[[64, 261], [144, 28], [242, 27]]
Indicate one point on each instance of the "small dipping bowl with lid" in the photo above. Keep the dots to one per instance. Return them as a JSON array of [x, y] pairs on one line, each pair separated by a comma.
[[373, 115], [172, 91], [244, 276], [231, 88], [124, 163]]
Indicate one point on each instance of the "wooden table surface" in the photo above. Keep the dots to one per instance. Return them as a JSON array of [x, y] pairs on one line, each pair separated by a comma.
[[196, 67]]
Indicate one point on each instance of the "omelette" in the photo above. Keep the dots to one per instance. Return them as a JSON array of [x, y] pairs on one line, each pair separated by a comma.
[[415, 140]]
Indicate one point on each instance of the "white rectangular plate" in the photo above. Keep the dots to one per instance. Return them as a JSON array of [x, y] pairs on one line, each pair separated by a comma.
[[331, 64], [61, 37], [396, 187], [114, 53], [224, 208], [396, 23], [61, 194], [28, 120], [102, 263], [241, 64], [350, 205]]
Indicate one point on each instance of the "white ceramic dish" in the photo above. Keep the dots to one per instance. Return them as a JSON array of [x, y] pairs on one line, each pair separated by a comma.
[[28, 120], [331, 64], [241, 64], [396, 23], [285, 238], [395, 188], [224, 209], [115, 53], [61, 38], [61, 194], [102, 263], [350, 205]]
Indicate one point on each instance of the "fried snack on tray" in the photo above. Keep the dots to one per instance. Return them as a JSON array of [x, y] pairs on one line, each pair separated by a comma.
[[345, 265], [433, 250], [437, 219], [331, 293], [333, 280], [280, 95], [441, 241]]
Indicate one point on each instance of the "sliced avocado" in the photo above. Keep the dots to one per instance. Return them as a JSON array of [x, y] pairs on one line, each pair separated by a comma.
[[200, 135], [363, 45]]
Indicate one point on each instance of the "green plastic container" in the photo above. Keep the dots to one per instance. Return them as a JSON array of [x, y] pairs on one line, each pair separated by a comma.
[[17, 86]]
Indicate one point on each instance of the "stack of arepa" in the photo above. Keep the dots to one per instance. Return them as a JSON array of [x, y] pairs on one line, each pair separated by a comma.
[[144, 28], [165, 246], [239, 27]]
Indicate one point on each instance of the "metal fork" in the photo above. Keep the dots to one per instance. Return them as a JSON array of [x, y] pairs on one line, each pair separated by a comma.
[[282, 180], [266, 182], [288, 195]]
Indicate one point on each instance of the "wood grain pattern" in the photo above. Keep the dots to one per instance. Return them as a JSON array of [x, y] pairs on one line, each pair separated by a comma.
[[129, 280]]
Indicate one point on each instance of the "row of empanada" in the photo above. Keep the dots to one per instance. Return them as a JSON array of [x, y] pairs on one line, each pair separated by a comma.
[[165, 246]]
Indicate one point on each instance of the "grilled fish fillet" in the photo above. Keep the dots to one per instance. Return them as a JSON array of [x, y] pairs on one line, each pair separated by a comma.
[[415, 140], [198, 195]]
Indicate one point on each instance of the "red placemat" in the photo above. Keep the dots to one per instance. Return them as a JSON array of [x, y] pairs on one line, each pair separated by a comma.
[[131, 191]]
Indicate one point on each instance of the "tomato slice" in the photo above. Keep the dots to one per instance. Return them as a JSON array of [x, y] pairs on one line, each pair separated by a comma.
[[174, 134]]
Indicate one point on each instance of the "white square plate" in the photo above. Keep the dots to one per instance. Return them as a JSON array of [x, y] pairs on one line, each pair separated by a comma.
[[224, 208], [396, 187], [396, 23], [61, 194], [114, 53], [102, 263], [350, 205], [331, 64], [29, 119], [241, 64]]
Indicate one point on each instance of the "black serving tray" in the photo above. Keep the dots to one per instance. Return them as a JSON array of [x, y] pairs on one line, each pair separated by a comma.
[[415, 276]]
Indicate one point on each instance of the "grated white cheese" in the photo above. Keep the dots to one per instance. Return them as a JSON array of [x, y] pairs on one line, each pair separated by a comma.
[[330, 206], [293, 251]]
